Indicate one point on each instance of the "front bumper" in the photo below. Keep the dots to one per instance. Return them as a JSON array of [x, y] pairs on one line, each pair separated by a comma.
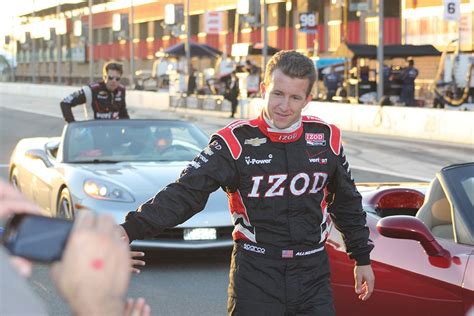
[[171, 238]]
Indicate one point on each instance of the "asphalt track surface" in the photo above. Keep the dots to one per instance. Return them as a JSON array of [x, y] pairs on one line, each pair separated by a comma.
[[195, 283]]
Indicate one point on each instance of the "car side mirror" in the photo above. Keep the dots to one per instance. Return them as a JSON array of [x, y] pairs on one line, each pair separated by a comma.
[[408, 227], [396, 201], [52, 148], [39, 154]]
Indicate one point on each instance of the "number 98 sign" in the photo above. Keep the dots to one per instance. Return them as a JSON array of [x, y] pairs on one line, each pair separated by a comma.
[[308, 22]]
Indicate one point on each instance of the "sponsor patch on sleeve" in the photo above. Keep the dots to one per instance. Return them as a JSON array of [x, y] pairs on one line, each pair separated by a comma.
[[315, 139]]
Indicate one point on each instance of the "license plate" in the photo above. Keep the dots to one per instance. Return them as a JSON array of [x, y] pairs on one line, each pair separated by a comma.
[[200, 234]]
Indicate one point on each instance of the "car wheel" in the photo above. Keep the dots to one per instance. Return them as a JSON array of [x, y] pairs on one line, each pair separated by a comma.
[[65, 209], [14, 179]]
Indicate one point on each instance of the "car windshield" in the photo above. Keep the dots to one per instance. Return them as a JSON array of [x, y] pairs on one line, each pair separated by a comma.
[[461, 183], [132, 140]]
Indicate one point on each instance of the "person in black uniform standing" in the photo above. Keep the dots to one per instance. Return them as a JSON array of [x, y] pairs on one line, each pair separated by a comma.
[[232, 91], [105, 99], [332, 81], [408, 77], [287, 178]]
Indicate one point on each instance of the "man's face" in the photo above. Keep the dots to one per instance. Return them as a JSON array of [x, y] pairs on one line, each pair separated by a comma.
[[112, 80], [161, 144], [285, 98]]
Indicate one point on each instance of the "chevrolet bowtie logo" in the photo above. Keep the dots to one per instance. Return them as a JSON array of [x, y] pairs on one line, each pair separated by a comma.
[[255, 141]]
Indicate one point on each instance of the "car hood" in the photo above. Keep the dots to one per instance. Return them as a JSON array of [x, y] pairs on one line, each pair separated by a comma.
[[141, 176], [144, 179]]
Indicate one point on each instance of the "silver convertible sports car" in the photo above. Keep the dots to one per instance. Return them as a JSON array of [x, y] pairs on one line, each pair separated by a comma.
[[114, 166]]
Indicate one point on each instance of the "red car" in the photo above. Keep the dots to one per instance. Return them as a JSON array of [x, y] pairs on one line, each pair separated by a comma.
[[423, 258]]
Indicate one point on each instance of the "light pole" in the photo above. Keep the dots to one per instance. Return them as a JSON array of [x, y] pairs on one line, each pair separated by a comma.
[[58, 44], [33, 49], [188, 44], [380, 53], [131, 43], [91, 46], [345, 14], [287, 24], [265, 35]]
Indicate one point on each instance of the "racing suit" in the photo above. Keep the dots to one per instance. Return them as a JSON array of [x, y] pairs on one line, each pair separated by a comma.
[[104, 104], [282, 189]]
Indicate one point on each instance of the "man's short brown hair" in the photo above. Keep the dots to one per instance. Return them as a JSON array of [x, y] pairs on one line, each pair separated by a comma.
[[112, 65], [292, 64]]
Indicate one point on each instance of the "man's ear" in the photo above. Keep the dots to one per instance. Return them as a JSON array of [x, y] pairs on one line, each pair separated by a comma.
[[262, 89]]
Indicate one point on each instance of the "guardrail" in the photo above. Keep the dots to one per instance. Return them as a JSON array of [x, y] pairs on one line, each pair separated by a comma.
[[419, 123]]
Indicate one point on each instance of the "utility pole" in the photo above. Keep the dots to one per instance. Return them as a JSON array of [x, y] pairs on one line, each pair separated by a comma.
[[236, 26], [380, 53], [345, 13], [362, 36], [91, 46], [294, 6], [131, 43], [188, 44], [33, 49], [288, 6], [265, 35], [58, 44]]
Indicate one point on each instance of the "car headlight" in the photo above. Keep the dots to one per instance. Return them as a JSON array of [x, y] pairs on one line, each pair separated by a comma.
[[104, 190]]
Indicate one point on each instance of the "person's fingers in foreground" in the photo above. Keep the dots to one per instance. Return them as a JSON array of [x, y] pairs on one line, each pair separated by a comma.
[[84, 221], [137, 307], [106, 224], [22, 266], [13, 201]]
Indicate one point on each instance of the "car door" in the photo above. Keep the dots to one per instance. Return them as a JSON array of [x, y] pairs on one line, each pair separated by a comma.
[[408, 281], [43, 175]]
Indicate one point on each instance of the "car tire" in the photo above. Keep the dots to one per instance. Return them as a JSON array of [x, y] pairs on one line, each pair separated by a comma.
[[65, 207], [14, 179]]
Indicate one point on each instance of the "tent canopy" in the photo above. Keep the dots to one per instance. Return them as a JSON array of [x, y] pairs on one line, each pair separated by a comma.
[[257, 49], [197, 50], [390, 51]]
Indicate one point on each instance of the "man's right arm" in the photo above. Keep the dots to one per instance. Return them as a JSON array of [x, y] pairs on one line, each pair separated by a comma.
[[188, 195], [76, 98]]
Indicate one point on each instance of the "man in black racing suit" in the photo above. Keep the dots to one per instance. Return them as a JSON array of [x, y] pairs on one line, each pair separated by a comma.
[[106, 99], [287, 178]]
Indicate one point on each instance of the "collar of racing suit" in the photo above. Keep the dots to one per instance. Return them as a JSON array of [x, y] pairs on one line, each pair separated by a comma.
[[278, 135]]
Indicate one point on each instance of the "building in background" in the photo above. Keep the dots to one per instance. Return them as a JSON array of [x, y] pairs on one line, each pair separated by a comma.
[[310, 26]]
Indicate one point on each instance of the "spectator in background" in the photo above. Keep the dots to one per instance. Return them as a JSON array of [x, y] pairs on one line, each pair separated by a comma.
[[88, 290], [105, 99], [387, 72], [332, 81], [192, 82], [364, 74], [408, 77], [232, 91]]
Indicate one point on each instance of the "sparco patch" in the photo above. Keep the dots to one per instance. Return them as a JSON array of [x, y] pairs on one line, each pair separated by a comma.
[[254, 249]]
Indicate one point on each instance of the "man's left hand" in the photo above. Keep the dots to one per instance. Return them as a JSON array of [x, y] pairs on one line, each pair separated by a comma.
[[364, 281], [137, 262]]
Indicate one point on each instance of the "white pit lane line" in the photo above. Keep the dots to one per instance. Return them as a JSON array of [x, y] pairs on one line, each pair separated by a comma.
[[4, 165]]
